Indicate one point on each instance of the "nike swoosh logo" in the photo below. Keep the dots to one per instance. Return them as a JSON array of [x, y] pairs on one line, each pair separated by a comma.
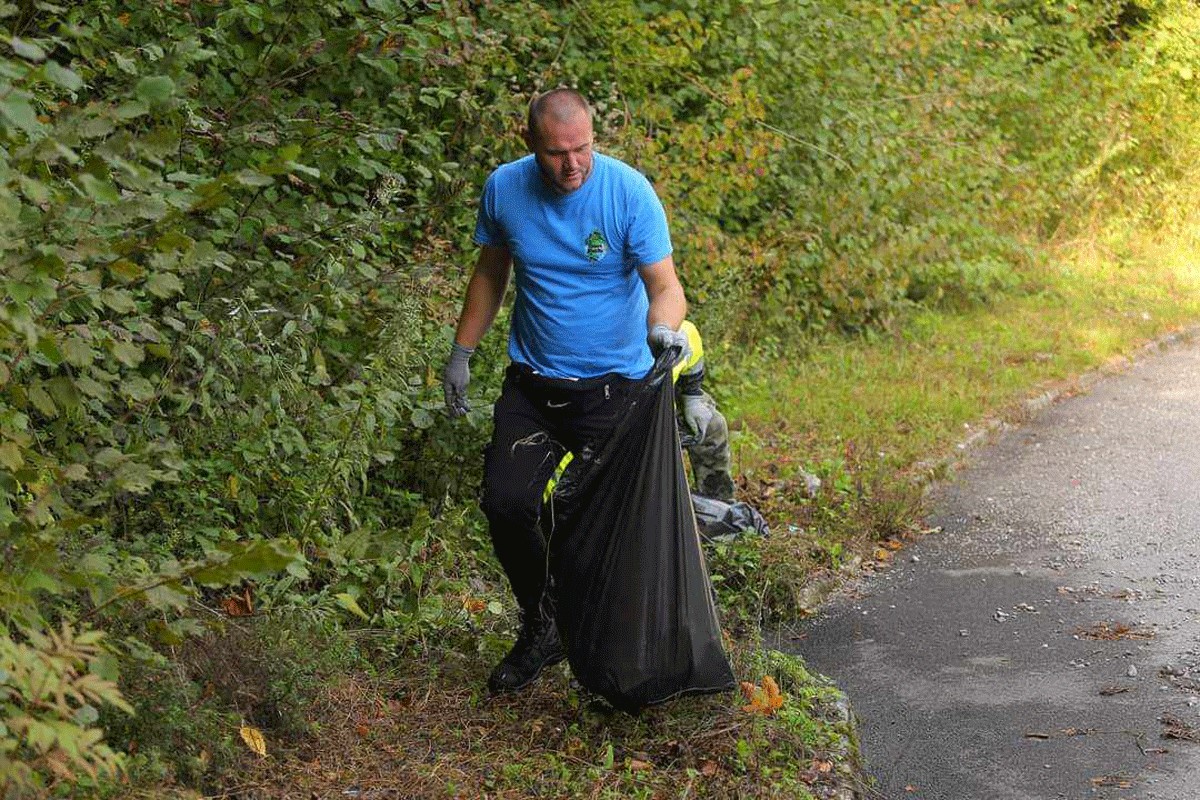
[[557, 405]]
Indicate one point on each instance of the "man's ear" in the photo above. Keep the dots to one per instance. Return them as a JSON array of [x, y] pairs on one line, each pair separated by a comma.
[[529, 137]]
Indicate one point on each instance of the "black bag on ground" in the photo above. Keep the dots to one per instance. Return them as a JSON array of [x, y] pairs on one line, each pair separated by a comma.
[[633, 600], [722, 522]]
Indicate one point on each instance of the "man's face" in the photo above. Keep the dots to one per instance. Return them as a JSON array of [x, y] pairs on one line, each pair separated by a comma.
[[563, 151]]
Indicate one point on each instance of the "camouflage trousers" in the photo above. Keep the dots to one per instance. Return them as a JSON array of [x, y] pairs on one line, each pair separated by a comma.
[[712, 463]]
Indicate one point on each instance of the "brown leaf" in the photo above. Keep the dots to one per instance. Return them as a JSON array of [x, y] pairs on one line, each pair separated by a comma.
[[1110, 633], [239, 605], [637, 764], [708, 768]]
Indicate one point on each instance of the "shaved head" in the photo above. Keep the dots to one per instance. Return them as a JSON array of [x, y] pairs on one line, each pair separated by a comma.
[[556, 105]]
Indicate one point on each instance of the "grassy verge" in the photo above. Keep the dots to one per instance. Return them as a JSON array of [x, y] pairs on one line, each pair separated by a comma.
[[405, 718], [877, 417]]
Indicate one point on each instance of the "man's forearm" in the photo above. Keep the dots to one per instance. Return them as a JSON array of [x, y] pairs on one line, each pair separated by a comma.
[[485, 293], [668, 307], [479, 310]]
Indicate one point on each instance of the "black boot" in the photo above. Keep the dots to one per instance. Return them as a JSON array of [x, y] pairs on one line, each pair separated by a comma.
[[537, 647]]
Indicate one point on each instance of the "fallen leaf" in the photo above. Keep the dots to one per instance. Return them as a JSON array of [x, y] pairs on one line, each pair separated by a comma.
[[361, 730], [637, 764], [766, 700], [1119, 781], [708, 768], [1108, 691], [473, 605], [1109, 633], [239, 605], [1175, 728], [254, 739]]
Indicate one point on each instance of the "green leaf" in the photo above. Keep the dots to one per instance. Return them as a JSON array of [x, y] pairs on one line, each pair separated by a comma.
[[155, 89], [27, 50], [164, 284], [128, 353], [249, 177], [348, 602], [132, 109], [19, 112], [118, 300], [236, 561], [42, 401], [62, 76], [11, 456], [103, 192]]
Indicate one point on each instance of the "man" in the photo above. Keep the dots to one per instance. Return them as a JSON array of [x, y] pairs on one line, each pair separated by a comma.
[[596, 298]]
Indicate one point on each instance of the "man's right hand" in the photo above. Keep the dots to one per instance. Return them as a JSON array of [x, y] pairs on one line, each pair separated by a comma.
[[662, 338], [455, 379]]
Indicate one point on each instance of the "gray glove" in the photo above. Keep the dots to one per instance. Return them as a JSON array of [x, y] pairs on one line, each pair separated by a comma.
[[662, 337], [697, 414], [455, 379]]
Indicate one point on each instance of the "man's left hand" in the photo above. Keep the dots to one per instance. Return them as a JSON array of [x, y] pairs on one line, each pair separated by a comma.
[[697, 414]]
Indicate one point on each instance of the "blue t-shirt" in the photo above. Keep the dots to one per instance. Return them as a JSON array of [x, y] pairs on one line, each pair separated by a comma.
[[581, 305]]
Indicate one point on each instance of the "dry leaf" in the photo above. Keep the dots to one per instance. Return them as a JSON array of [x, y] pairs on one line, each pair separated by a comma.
[[766, 700], [239, 605], [254, 739], [473, 605], [708, 768], [637, 764]]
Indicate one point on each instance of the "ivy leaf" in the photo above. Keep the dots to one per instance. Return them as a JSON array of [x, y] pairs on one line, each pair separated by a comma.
[[155, 89]]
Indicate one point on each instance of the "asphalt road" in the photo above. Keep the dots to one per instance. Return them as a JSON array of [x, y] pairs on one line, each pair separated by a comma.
[[1031, 648]]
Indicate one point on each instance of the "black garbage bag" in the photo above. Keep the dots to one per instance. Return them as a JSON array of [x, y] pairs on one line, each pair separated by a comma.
[[721, 522], [632, 596]]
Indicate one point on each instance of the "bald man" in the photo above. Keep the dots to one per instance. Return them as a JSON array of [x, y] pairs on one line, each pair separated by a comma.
[[597, 298]]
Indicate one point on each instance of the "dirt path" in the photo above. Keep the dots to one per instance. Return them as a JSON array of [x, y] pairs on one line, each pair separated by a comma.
[[1045, 644]]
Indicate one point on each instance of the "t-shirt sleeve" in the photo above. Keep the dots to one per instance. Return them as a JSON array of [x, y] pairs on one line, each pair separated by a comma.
[[487, 227], [648, 240]]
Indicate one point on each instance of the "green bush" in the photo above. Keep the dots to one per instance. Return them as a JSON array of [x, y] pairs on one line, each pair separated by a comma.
[[234, 236]]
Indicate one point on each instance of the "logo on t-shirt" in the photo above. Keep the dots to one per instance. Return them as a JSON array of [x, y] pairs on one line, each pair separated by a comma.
[[596, 246]]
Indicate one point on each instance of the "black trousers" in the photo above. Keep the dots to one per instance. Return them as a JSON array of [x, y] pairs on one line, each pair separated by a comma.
[[537, 421]]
